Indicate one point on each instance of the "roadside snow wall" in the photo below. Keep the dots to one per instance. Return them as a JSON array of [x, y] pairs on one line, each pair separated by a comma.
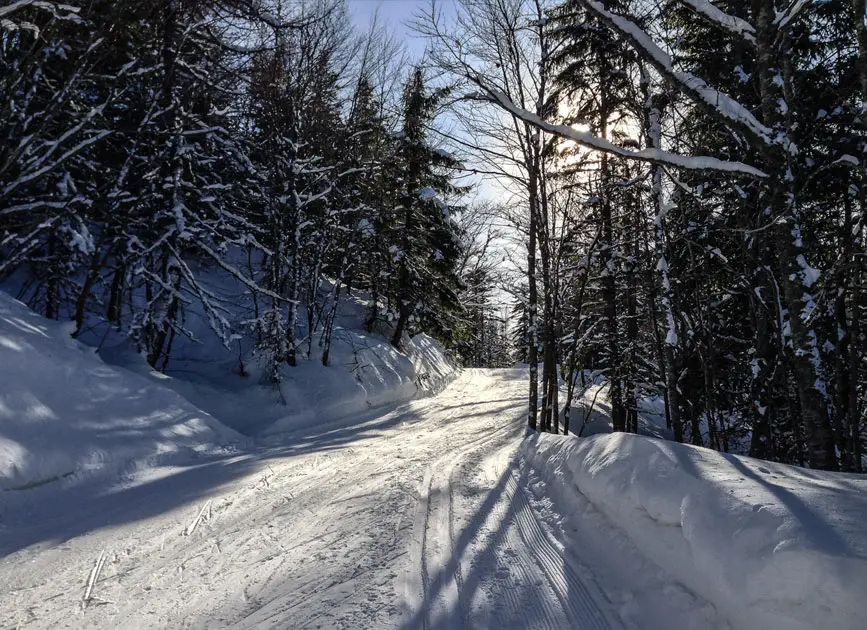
[[63, 411], [366, 372], [772, 546]]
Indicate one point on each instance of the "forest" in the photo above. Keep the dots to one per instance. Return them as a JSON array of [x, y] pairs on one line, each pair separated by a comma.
[[679, 208]]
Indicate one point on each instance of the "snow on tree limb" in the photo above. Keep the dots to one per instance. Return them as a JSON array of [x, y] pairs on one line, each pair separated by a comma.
[[722, 19], [784, 18], [60, 11], [20, 4], [656, 156], [250, 284], [718, 104]]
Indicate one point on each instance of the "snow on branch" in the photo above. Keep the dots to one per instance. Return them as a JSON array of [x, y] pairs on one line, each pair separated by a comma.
[[784, 18], [718, 104], [51, 6], [60, 11], [656, 156], [235, 273], [729, 22]]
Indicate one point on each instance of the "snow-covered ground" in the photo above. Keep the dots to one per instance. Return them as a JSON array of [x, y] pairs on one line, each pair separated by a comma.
[[123, 505], [421, 517], [65, 412]]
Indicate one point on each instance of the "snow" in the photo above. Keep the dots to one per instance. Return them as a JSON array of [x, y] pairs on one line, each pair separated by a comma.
[[784, 18], [65, 413], [647, 155], [367, 372], [847, 159], [729, 22], [422, 515], [809, 275], [770, 545], [427, 194]]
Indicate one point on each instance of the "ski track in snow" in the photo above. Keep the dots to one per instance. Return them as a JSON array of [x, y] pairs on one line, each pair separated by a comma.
[[423, 517]]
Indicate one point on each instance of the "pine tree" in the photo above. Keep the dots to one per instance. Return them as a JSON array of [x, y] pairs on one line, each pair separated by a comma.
[[424, 240]]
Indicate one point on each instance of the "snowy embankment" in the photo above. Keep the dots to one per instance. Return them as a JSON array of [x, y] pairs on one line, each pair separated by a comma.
[[63, 411], [772, 546], [366, 372]]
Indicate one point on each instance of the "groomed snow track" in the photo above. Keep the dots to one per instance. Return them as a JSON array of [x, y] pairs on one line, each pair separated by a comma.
[[419, 517]]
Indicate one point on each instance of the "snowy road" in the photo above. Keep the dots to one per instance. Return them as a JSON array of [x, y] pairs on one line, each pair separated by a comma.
[[419, 517]]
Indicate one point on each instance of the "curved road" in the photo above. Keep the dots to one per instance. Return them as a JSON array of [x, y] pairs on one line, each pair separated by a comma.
[[421, 517]]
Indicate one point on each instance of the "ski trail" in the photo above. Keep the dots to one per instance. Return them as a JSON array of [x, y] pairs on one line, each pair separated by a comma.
[[579, 596], [434, 551], [510, 557], [418, 518]]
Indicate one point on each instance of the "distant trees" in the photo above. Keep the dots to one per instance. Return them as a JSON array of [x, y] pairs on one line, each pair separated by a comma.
[[244, 162]]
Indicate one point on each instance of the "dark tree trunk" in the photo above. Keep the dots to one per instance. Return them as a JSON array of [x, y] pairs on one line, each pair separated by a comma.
[[532, 306], [792, 251]]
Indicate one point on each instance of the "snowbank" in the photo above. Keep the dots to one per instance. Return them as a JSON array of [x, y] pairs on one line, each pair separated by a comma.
[[365, 372], [772, 546], [63, 411]]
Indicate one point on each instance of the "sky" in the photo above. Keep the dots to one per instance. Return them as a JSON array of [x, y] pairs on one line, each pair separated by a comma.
[[396, 13]]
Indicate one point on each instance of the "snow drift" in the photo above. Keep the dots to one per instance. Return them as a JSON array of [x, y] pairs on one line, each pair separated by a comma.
[[63, 411], [771, 545], [366, 372]]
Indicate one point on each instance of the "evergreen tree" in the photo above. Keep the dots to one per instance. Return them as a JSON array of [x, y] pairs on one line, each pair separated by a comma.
[[424, 239]]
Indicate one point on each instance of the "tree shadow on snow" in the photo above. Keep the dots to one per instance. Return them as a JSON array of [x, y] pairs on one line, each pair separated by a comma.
[[67, 508], [494, 591]]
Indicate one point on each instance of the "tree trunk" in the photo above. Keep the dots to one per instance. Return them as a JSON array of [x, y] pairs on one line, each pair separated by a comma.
[[532, 305], [796, 275], [609, 300]]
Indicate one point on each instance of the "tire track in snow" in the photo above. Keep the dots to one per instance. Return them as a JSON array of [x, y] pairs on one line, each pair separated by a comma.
[[433, 550], [578, 596]]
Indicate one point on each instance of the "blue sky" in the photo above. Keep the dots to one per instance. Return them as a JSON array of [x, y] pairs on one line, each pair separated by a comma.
[[396, 13]]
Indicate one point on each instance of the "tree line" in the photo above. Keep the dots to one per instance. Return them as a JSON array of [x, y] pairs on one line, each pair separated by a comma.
[[688, 182], [175, 159]]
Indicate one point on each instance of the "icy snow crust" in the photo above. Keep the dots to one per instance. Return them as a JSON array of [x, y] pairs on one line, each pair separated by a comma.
[[772, 546], [64, 412]]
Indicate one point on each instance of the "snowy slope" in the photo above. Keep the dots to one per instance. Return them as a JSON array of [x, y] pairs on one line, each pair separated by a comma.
[[365, 371], [773, 546], [64, 412]]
